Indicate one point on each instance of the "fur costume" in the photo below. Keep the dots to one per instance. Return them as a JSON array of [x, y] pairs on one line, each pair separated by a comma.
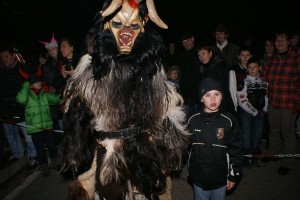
[[124, 120]]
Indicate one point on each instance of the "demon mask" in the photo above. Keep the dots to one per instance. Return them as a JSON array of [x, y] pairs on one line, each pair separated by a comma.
[[127, 23]]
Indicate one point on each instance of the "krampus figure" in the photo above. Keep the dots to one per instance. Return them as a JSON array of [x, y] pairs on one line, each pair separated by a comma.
[[124, 120]]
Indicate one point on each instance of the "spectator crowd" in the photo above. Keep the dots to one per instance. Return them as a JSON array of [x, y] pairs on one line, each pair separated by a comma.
[[257, 95]]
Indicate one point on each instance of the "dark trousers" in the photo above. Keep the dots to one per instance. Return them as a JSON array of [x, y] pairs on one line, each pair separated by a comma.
[[282, 123], [252, 128], [282, 136], [40, 139]]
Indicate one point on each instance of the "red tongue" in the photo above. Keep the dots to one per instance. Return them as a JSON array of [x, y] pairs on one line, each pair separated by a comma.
[[125, 39]]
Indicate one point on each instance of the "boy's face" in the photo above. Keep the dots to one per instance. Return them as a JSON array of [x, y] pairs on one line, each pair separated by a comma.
[[173, 75], [37, 85], [212, 101], [244, 57], [253, 69]]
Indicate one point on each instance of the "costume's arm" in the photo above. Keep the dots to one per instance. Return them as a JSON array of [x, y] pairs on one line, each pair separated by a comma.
[[75, 149], [176, 136]]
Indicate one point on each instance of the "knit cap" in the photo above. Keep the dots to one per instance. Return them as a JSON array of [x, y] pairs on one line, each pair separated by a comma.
[[209, 83]]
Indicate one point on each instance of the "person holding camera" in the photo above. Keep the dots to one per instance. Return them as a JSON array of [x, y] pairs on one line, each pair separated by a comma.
[[70, 58], [68, 48]]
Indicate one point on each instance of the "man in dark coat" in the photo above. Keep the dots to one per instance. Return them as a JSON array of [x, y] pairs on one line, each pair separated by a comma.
[[189, 73]]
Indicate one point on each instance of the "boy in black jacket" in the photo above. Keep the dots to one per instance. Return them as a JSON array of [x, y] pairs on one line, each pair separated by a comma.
[[215, 160]]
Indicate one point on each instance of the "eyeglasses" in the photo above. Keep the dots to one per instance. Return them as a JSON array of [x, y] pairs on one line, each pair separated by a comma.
[[280, 39]]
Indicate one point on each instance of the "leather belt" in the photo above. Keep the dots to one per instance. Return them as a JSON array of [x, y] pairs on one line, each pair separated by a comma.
[[120, 134]]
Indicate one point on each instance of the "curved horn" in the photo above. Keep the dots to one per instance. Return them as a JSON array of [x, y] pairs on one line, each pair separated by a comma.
[[153, 14], [114, 5], [53, 38], [44, 43], [23, 73]]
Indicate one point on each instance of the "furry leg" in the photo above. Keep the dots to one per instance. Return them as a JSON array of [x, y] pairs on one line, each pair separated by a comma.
[[168, 194], [76, 191], [129, 195], [88, 180]]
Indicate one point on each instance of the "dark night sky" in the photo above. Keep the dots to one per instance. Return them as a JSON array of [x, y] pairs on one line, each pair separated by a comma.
[[31, 20]]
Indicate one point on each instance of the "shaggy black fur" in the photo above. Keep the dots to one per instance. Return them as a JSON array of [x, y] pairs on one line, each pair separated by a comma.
[[134, 99]]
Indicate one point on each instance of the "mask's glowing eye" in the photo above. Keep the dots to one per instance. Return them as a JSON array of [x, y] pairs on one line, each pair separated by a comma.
[[135, 26], [117, 24]]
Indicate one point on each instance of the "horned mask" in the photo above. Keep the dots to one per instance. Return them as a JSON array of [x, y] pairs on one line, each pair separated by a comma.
[[127, 23]]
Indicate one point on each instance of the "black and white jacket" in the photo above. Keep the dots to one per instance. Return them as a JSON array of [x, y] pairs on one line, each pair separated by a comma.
[[216, 150], [252, 96]]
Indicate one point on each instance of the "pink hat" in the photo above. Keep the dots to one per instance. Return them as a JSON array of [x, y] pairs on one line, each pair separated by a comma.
[[52, 42]]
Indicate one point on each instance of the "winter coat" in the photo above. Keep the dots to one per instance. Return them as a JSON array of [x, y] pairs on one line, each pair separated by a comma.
[[216, 150], [253, 96], [230, 53], [51, 70], [190, 75], [10, 84], [37, 108]]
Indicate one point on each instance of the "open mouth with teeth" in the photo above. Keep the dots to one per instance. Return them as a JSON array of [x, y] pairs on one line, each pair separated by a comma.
[[125, 38]]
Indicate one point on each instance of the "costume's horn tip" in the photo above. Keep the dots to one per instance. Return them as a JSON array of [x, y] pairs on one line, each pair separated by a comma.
[[165, 26]]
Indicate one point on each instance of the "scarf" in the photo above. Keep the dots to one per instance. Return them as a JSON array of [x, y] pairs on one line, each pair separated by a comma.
[[223, 45]]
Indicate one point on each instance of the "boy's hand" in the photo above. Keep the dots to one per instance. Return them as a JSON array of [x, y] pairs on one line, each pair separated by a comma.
[[260, 114], [229, 185]]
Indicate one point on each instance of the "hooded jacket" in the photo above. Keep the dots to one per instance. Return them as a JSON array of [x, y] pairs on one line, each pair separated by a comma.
[[37, 108]]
